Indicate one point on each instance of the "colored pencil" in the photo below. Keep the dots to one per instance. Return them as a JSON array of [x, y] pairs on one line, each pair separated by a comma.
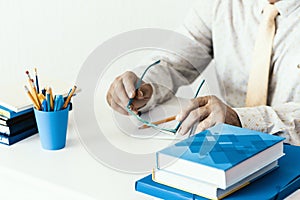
[[34, 92], [168, 119], [31, 98], [51, 98], [69, 97]]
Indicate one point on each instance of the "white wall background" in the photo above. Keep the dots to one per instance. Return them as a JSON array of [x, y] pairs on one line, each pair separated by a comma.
[[57, 36]]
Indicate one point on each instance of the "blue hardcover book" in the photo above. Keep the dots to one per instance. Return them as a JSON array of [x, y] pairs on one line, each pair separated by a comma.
[[204, 189], [9, 140], [222, 155], [19, 127], [9, 114], [277, 184]]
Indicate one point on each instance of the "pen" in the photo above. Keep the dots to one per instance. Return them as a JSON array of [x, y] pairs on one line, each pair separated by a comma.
[[36, 81], [44, 91], [59, 101], [44, 105], [69, 97], [31, 98], [55, 103], [48, 101]]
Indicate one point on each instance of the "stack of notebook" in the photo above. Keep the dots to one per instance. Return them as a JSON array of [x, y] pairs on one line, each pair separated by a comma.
[[15, 126], [217, 162]]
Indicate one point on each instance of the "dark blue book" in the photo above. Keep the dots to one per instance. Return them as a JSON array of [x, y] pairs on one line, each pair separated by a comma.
[[277, 184], [9, 140], [222, 155], [22, 125], [10, 122]]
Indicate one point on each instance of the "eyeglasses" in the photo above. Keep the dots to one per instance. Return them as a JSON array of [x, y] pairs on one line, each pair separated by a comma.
[[147, 123]]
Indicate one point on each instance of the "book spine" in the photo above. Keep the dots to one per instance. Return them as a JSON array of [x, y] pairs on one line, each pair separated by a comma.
[[9, 140], [9, 114], [20, 119], [4, 139], [5, 113], [14, 130]]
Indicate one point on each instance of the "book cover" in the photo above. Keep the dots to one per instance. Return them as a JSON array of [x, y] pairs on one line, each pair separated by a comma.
[[147, 186], [277, 184], [204, 189], [10, 140], [221, 155]]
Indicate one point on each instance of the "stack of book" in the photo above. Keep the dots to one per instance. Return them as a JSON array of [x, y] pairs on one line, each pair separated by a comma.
[[15, 126], [217, 162]]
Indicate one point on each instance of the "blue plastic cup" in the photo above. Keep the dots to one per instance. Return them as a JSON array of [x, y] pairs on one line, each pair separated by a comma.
[[52, 128]]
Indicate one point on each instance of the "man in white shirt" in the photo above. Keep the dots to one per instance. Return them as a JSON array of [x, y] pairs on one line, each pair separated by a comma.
[[225, 31]]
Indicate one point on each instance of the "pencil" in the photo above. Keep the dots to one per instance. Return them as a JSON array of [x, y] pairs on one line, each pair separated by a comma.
[[174, 117], [31, 98], [34, 93], [41, 97], [51, 98], [69, 97], [36, 81], [168, 119]]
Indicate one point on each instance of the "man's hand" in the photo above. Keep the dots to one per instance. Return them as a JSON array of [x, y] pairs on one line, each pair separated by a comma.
[[123, 88], [207, 111]]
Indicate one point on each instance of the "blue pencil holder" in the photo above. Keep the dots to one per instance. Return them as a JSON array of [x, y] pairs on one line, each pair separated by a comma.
[[52, 128]]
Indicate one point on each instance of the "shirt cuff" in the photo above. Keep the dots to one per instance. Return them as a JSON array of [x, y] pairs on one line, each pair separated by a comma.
[[252, 119]]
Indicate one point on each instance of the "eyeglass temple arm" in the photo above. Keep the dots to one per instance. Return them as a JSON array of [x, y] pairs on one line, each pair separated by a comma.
[[138, 84], [198, 90]]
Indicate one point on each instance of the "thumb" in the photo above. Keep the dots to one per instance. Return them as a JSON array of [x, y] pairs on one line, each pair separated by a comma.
[[145, 91]]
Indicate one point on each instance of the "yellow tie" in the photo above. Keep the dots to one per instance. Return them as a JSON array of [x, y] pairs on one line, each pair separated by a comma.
[[259, 75]]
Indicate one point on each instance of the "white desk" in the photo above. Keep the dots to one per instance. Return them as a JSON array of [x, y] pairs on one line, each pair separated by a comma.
[[29, 172]]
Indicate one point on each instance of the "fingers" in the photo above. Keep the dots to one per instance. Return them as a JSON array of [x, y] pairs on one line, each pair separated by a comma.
[[193, 117], [194, 103], [123, 88], [120, 94], [118, 108], [129, 80], [117, 96], [205, 124], [146, 91]]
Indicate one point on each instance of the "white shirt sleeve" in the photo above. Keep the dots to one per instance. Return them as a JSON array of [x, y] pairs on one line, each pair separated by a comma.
[[283, 120], [176, 70]]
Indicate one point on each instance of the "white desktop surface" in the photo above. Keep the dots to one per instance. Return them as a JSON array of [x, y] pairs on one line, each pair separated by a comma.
[[29, 172]]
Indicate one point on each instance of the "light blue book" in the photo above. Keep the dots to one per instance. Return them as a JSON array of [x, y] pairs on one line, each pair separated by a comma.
[[222, 155], [277, 184]]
